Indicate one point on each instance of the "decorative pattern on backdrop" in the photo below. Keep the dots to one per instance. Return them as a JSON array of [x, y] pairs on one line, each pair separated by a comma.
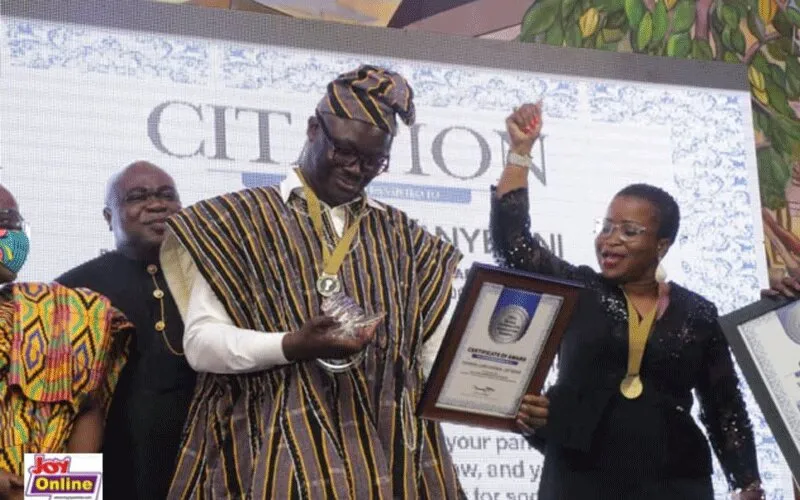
[[599, 136]]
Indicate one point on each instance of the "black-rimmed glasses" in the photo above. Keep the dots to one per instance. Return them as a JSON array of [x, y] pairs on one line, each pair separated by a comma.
[[11, 220], [343, 155]]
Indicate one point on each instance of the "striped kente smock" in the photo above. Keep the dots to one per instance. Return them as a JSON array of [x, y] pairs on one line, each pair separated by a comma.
[[296, 431]]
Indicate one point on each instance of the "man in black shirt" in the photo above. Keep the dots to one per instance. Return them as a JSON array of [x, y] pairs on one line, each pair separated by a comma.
[[149, 407]]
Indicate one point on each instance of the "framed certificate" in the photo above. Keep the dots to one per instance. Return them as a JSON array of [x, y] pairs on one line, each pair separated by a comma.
[[765, 338], [500, 345]]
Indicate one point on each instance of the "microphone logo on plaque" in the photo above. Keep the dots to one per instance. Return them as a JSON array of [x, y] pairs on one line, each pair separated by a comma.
[[512, 315]]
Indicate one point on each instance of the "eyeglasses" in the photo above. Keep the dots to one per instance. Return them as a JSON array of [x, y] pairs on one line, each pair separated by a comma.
[[11, 220], [627, 230], [134, 196], [346, 156]]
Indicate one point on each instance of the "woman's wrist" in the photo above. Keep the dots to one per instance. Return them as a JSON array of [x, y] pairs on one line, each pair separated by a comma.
[[521, 149]]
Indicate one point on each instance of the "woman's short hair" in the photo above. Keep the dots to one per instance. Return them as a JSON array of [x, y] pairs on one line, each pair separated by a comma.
[[669, 214]]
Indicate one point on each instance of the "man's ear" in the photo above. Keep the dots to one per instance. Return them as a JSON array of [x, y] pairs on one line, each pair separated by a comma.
[[312, 128]]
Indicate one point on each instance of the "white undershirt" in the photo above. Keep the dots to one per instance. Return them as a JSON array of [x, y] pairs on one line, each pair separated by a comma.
[[211, 341]]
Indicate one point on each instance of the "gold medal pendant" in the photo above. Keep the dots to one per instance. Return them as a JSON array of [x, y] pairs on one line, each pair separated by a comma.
[[351, 317], [638, 331], [631, 386], [328, 285]]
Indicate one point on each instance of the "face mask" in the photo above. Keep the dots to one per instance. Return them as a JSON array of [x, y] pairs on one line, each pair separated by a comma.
[[14, 247]]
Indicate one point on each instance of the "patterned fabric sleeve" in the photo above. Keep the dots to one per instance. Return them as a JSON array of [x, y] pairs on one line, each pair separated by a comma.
[[436, 261], [67, 347], [723, 411], [116, 355], [68, 343], [215, 233]]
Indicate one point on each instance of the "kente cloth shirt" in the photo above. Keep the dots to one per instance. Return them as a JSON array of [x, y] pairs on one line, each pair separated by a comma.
[[212, 342], [59, 347], [294, 430], [600, 445]]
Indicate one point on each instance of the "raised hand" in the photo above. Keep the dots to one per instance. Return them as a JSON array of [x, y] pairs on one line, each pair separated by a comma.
[[524, 126]]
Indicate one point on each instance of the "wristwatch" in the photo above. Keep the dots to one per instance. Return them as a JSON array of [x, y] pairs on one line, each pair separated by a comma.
[[518, 160]]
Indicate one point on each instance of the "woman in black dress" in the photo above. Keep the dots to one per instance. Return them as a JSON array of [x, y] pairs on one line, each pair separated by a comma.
[[617, 426]]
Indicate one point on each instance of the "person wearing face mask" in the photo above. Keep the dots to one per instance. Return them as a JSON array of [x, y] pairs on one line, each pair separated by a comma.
[[617, 423], [250, 272], [61, 353], [150, 405]]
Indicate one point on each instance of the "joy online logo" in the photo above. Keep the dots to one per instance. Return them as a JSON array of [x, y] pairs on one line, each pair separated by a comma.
[[51, 477]]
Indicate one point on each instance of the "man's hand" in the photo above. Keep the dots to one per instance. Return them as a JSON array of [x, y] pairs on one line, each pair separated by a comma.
[[10, 486], [318, 338], [523, 127]]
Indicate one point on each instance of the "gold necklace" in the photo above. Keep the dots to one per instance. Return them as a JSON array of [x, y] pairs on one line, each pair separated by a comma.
[[161, 325]]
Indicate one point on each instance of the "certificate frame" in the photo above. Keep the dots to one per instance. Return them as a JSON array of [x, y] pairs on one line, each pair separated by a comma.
[[478, 276], [764, 381]]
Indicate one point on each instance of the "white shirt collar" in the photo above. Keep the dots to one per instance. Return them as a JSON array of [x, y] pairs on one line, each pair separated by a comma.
[[292, 183]]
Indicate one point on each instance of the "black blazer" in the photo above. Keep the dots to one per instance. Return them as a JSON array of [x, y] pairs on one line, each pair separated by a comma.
[[591, 426]]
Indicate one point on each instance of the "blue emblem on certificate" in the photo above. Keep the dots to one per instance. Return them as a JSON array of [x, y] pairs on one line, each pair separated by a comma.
[[499, 350], [512, 315], [500, 345]]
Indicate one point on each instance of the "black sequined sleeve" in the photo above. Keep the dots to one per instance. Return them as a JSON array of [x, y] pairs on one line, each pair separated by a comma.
[[723, 411], [513, 244]]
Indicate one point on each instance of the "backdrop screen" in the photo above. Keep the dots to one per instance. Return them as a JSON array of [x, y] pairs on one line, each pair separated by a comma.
[[221, 101]]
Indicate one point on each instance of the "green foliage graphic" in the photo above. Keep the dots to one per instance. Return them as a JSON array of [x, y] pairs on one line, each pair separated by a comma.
[[763, 34]]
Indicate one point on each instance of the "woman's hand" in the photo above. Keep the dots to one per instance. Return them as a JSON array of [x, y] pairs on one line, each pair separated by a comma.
[[752, 492], [752, 495], [524, 126], [532, 414], [786, 286]]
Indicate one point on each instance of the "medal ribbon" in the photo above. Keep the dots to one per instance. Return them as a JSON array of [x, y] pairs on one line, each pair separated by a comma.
[[331, 262], [638, 332]]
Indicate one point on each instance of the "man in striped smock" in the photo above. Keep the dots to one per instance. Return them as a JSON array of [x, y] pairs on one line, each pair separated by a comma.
[[249, 271]]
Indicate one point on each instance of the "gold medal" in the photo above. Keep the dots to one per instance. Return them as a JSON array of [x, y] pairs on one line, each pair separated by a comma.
[[328, 285], [631, 386], [638, 331]]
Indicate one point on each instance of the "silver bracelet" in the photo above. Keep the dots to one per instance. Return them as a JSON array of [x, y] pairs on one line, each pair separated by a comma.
[[518, 161]]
